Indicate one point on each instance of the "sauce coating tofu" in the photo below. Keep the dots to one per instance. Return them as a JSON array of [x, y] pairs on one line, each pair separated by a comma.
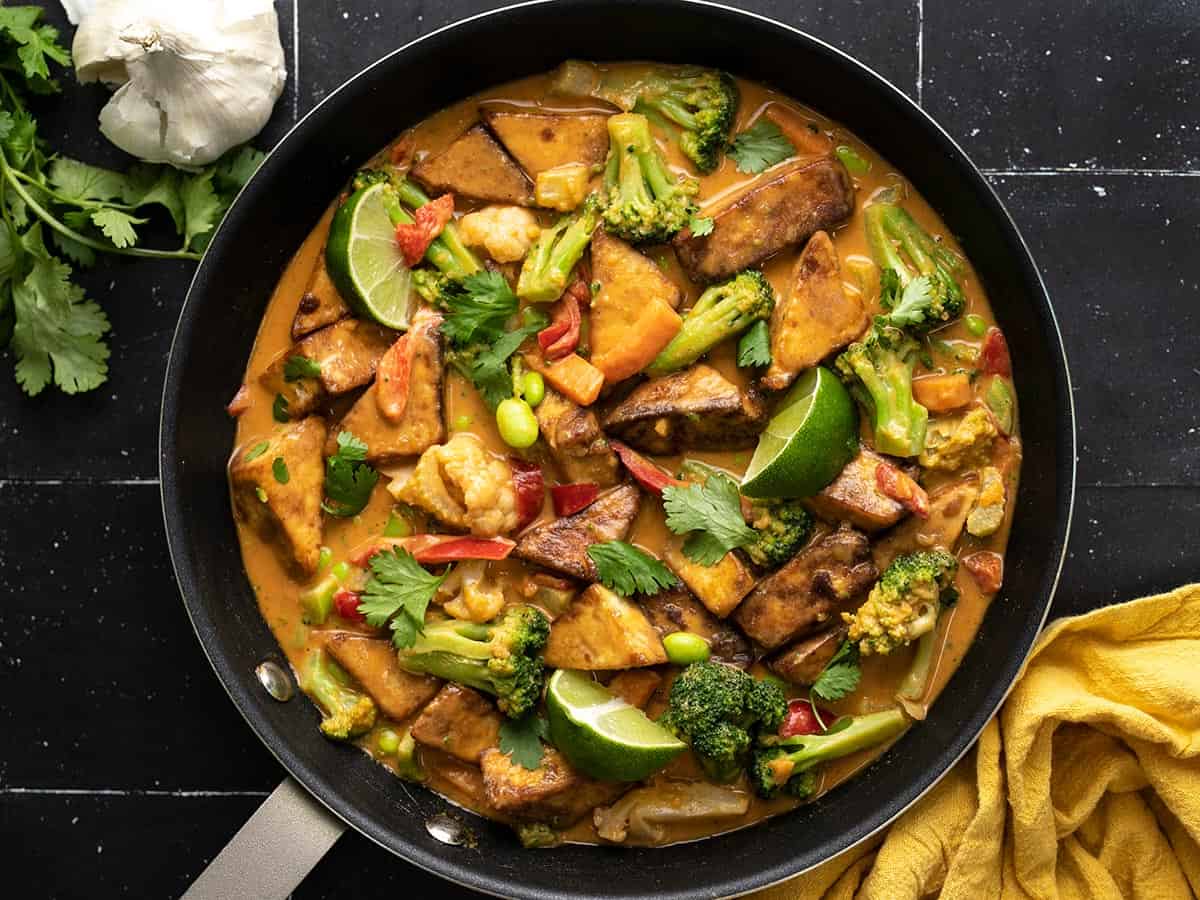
[[676, 609], [540, 141], [802, 596], [949, 507], [802, 662], [816, 316], [553, 793], [636, 686], [289, 509], [562, 544], [602, 631], [854, 497], [577, 445], [475, 166], [372, 663], [784, 207], [320, 304], [459, 721], [720, 587]]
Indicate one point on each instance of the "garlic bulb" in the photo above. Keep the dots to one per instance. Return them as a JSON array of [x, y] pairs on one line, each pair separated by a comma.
[[76, 9], [196, 76]]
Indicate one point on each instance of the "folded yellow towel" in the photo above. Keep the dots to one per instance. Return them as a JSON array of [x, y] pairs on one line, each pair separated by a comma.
[[1085, 787]]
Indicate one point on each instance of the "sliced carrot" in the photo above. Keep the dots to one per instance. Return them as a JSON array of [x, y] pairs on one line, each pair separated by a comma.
[[942, 393], [572, 376]]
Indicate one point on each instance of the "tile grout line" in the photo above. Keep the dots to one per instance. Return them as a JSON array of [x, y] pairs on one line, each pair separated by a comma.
[[124, 792], [295, 61], [920, 53]]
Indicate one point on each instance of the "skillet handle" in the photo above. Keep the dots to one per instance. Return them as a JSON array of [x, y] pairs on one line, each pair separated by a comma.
[[273, 852]]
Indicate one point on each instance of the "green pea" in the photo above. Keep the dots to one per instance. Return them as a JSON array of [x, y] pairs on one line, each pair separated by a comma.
[[517, 423], [324, 559], [534, 388], [683, 648], [852, 161], [389, 742], [977, 325], [462, 423]]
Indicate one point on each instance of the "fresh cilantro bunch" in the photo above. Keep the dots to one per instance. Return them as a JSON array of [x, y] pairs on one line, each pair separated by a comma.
[[397, 594], [55, 212]]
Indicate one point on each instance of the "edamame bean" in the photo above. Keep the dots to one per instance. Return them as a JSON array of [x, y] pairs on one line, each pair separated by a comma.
[[389, 742], [684, 648], [534, 388], [517, 424], [976, 325]]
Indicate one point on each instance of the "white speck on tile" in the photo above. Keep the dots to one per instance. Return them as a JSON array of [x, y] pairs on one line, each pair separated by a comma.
[[345, 15], [1099, 79], [974, 132], [1100, 192]]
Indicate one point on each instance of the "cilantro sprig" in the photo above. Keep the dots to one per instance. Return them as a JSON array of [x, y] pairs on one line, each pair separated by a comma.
[[838, 679], [55, 212], [754, 346], [349, 480], [397, 594], [710, 514], [627, 570], [522, 740], [760, 146], [477, 308], [486, 365]]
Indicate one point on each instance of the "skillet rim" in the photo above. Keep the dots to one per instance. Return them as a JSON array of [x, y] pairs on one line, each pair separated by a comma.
[[304, 771]]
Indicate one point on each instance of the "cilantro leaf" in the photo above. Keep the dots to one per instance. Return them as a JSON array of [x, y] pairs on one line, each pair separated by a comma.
[[627, 570], [80, 182], [754, 347], [908, 306], [349, 480], [840, 676], [489, 369], [760, 146], [298, 367], [148, 185], [280, 470], [712, 513], [202, 208], [117, 226], [234, 169], [522, 740], [478, 308], [279, 410], [700, 226], [397, 594]]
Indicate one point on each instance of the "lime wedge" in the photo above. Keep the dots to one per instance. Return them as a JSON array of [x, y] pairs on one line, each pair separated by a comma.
[[808, 441], [601, 734], [364, 260]]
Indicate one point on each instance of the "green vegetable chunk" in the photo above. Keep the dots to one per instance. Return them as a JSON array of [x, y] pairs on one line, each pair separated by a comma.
[[643, 202], [684, 648], [347, 712], [517, 424]]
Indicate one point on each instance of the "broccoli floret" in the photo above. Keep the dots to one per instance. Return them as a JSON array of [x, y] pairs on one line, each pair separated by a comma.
[[787, 765], [538, 835], [905, 602], [723, 311], [553, 255], [643, 202], [347, 713], [921, 292], [878, 370], [701, 102], [502, 658], [718, 709], [782, 527]]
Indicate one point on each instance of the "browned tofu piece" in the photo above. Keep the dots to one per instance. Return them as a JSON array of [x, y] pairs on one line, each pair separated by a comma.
[[373, 664], [816, 317], [553, 793], [949, 507], [562, 544], [602, 631], [476, 167], [696, 409], [802, 662], [636, 686], [288, 512], [460, 781], [633, 315], [347, 353], [676, 609], [854, 497], [782, 208], [459, 721], [576, 444], [422, 424], [802, 596], [544, 140], [320, 304], [720, 587]]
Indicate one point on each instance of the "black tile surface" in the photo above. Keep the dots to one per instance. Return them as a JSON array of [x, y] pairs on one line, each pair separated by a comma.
[[119, 750]]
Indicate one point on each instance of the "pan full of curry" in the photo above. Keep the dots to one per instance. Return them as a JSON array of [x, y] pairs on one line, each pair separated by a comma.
[[628, 455]]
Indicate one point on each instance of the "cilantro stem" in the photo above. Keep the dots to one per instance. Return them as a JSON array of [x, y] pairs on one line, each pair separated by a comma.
[[68, 201], [10, 175]]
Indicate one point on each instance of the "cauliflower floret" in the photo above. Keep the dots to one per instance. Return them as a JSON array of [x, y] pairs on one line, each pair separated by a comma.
[[475, 598], [505, 232], [464, 485], [988, 514], [955, 442], [904, 604]]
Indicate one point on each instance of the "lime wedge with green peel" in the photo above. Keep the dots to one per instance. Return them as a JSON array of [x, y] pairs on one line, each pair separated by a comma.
[[364, 260], [601, 734], [808, 441]]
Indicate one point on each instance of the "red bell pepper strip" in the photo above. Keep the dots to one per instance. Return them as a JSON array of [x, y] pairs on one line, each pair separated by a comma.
[[801, 719], [433, 549], [561, 336], [987, 569], [428, 221], [240, 402], [994, 355], [580, 290], [644, 472], [530, 488], [346, 603], [391, 378], [901, 488], [571, 498]]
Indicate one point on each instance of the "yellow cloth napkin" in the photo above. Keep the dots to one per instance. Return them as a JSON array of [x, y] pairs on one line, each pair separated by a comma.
[[1085, 787]]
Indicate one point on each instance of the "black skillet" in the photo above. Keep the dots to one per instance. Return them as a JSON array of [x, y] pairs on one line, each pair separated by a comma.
[[283, 202]]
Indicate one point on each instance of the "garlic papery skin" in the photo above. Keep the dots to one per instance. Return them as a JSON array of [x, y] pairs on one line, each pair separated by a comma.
[[196, 77]]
